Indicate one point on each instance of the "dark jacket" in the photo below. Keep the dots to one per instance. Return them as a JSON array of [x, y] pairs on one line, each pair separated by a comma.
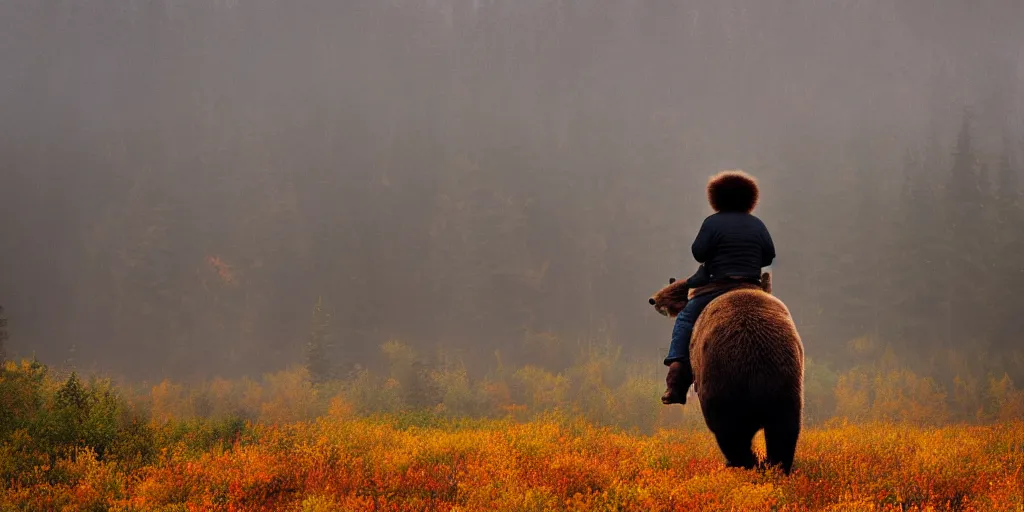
[[731, 245]]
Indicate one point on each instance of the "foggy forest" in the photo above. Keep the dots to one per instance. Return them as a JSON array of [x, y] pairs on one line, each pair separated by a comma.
[[272, 211], [184, 181]]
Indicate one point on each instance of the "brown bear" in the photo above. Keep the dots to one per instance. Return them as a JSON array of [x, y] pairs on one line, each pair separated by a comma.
[[748, 365]]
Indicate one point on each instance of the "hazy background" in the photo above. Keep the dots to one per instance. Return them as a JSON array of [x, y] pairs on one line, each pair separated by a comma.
[[182, 180]]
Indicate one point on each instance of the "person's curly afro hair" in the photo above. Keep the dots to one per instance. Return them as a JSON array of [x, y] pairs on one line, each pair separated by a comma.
[[733, 191]]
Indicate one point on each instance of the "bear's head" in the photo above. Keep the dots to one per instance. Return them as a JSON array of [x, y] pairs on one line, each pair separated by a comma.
[[670, 300]]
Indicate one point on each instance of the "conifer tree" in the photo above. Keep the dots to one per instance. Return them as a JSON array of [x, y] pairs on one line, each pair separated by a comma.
[[963, 241], [3, 335], [1007, 246], [913, 266], [318, 346], [1007, 188]]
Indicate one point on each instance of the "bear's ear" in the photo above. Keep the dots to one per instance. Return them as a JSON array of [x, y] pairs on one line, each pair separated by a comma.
[[766, 282], [651, 301], [671, 280]]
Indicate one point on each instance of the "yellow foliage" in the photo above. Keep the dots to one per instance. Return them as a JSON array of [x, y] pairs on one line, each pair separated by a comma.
[[318, 503], [357, 464], [544, 389], [563, 443], [340, 408], [895, 395], [251, 395], [167, 402], [291, 396], [900, 395], [753, 496], [852, 396], [1007, 402]]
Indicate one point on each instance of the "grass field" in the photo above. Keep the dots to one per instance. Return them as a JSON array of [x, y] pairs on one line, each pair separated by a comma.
[[396, 463]]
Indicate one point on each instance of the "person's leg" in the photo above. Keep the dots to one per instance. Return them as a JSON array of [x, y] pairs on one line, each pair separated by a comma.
[[678, 362], [679, 348], [680, 373]]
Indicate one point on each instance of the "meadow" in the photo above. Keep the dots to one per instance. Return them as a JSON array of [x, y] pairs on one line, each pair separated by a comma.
[[585, 439]]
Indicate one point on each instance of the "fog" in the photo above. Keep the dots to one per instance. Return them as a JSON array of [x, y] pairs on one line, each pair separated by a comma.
[[181, 181]]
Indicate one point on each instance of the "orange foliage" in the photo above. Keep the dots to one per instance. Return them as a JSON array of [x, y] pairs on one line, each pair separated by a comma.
[[166, 401], [537, 440], [354, 464], [223, 270]]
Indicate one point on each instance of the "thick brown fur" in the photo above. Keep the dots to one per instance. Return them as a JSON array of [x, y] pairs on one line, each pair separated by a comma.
[[733, 191], [748, 365]]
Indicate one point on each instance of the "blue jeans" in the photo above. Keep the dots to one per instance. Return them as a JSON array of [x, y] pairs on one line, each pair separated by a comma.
[[679, 349]]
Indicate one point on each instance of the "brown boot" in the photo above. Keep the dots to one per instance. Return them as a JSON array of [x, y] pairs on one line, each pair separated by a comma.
[[678, 381]]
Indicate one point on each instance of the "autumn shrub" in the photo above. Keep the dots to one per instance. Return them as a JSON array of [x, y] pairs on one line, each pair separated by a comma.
[[623, 451], [168, 400], [819, 391], [20, 458], [370, 393], [598, 384], [22, 395], [201, 435], [47, 425], [460, 396], [410, 374], [898, 395], [80, 415], [63, 417], [540, 389], [135, 446]]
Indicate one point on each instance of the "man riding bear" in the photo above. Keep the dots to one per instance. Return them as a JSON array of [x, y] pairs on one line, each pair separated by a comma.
[[732, 246]]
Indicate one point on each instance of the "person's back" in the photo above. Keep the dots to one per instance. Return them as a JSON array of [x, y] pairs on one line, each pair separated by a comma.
[[732, 245]]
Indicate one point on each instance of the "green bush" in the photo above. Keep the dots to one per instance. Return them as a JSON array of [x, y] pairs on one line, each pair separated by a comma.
[[21, 395], [80, 416], [43, 421], [134, 446], [201, 435]]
